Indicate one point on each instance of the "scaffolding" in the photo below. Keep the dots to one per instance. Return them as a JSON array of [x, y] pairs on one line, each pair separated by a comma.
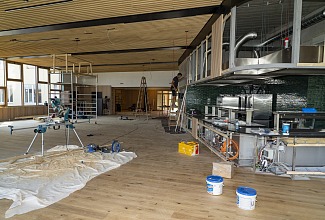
[[76, 90]]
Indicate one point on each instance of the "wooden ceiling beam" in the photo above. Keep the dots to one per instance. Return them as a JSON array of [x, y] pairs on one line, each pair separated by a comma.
[[116, 20]]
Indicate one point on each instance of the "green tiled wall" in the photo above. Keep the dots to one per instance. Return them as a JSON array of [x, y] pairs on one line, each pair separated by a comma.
[[292, 93]]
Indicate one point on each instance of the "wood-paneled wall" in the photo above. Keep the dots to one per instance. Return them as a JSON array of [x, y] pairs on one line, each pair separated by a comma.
[[10, 113]]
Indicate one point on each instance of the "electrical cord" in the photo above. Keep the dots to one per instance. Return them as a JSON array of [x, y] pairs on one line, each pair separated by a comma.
[[127, 133]]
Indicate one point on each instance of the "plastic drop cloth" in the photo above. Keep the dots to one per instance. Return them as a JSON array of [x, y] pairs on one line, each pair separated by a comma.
[[37, 182]]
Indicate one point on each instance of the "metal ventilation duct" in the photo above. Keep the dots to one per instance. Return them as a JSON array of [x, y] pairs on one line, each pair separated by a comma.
[[243, 40]]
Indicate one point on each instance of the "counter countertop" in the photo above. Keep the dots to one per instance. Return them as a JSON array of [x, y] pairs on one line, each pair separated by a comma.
[[261, 130]]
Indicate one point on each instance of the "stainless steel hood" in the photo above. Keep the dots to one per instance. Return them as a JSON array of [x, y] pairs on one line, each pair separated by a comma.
[[270, 66], [308, 54]]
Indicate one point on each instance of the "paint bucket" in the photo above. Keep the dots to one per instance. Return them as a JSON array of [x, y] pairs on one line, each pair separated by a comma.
[[285, 128], [246, 197], [214, 185]]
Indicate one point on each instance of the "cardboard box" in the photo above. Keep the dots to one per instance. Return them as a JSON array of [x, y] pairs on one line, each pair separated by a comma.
[[223, 169], [189, 148]]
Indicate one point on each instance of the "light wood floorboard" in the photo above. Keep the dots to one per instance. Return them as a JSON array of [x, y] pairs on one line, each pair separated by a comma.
[[161, 183]]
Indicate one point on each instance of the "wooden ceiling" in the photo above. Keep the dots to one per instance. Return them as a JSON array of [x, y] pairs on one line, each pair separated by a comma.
[[32, 30]]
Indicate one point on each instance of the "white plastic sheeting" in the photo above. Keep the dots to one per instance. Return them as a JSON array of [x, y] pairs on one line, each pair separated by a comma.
[[37, 182]]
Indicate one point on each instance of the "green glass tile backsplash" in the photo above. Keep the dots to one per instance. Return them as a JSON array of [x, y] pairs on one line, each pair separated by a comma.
[[292, 93]]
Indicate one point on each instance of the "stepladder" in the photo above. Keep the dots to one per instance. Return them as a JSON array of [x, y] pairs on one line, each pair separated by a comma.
[[143, 106]]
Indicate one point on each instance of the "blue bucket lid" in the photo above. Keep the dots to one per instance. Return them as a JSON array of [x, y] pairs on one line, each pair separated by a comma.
[[214, 179], [246, 191]]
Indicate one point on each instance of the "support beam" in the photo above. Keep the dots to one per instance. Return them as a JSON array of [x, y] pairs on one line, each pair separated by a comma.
[[232, 37], [296, 31], [116, 20], [138, 50], [131, 50]]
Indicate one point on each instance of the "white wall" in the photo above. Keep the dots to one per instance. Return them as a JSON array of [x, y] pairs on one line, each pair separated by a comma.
[[133, 79]]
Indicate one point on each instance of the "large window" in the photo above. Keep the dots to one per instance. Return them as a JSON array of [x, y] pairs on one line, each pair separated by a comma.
[[163, 99], [2, 73], [14, 83], [55, 78], [14, 71], [43, 78], [2, 96], [29, 84], [42, 94], [2, 82], [14, 93], [43, 75]]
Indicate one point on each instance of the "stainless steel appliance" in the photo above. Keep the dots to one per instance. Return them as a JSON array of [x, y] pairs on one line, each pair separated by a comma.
[[262, 105]]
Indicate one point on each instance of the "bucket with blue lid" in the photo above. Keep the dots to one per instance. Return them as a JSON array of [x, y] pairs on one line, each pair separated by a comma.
[[246, 197], [214, 185]]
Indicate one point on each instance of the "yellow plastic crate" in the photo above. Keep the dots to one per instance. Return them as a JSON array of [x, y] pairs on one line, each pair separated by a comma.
[[189, 148]]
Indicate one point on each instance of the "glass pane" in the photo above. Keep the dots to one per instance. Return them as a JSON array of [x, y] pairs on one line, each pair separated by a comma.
[[209, 64], [14, 93], [43, 75], [55, 78], [225, 44], [159, 100], [199, 63], [14, 71], [203, 58], [2, 96], [42, 94], [29, 74], [312, 37], [2, 73], [29, 84], [270, 31], [193, 62]]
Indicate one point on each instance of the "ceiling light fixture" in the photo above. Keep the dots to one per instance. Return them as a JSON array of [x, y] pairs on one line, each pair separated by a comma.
[[37, 6]]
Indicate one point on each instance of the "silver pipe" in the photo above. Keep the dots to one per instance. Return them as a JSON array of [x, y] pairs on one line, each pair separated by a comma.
[[256, 53], [243, 40]]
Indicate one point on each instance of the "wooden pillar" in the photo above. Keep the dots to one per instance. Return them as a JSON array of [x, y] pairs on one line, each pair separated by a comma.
[[216, 47]]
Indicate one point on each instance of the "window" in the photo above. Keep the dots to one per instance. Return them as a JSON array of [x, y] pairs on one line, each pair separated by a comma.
[[43, 75], [163, 99], [55, 88], [14, 71], [42, 93], [209, 57], [2, 73], [199, 63], [2, 96], [29, 84], [193, 68], [14, 93]]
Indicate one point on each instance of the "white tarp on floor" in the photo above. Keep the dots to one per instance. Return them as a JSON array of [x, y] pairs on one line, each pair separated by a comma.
[[34, 183]]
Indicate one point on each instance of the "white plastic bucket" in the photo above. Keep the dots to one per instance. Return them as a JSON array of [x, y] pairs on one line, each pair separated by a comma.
[[246, 197], [214, 185]]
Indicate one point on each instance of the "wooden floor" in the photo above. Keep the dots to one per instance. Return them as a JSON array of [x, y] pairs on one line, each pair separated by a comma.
[[161, 183]]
